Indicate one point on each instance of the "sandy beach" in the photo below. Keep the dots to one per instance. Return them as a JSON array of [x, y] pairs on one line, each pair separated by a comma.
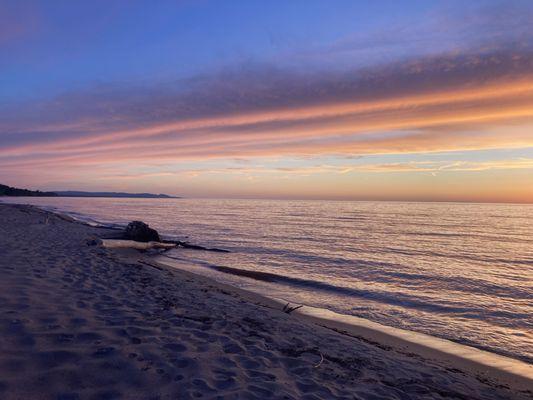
[[79, 321]]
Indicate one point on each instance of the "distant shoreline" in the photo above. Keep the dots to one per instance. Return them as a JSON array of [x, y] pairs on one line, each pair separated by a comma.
[[120, 196], [102, 197], [9, 191], [99, 197]]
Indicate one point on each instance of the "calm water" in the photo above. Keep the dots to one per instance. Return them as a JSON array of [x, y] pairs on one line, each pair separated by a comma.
[[458, 271]]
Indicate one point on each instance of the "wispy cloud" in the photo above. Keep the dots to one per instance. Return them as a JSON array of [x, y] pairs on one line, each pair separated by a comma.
[[447, 166], [331, 169], [257, 113]]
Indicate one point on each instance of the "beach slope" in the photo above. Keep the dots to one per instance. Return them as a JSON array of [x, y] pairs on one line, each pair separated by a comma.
[[78, 321]]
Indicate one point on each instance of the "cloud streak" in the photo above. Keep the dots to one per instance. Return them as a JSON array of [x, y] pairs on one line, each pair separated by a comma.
[[259, 111], [404, 167]]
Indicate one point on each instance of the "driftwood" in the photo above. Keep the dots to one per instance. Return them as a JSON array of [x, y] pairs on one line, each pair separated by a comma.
[[194, 246], [138, 235], [131, 244], [287, 309]]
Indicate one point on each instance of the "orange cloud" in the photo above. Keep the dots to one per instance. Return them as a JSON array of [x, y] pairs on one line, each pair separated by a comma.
[[333, 125]]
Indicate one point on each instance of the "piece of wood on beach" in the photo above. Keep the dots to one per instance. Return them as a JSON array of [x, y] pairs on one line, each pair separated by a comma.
[[287, 308], [131, 244]]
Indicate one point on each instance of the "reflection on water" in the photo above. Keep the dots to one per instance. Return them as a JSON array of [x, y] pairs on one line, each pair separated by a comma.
[[459, 271]]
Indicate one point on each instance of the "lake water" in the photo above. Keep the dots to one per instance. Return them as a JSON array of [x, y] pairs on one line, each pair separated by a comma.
[[458, 271]]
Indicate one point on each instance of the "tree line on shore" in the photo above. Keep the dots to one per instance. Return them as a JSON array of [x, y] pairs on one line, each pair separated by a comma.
[[12, 191]]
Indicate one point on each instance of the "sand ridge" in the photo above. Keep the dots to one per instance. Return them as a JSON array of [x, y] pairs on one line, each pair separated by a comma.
[[77, 322]]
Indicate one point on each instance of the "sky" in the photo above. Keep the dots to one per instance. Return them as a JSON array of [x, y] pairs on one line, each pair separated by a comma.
[[345, 100]]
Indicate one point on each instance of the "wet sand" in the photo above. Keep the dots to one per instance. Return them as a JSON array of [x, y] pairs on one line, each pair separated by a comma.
[[483, 364], [81, 321]]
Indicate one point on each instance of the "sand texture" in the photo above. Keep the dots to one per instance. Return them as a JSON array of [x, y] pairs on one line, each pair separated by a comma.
[[78, 322]]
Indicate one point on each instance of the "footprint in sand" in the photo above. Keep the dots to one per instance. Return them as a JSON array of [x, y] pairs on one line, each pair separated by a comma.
[[175, 347], [51, 359]]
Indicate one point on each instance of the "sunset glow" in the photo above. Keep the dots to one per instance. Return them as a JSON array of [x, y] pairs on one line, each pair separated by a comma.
[[449, 119]]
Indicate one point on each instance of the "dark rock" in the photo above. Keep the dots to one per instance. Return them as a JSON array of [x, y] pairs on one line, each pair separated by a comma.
[[141, 232]]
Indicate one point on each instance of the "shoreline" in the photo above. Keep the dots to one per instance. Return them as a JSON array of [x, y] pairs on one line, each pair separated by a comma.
[[491, 366], [303, 356], [494, 366]]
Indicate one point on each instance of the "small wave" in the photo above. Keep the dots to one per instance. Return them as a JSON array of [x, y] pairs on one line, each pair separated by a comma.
[[462, 257], [81, 218], [437, 234], [394, 299]]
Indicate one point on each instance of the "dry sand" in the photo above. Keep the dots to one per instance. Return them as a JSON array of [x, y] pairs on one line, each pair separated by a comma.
[[78, 321]]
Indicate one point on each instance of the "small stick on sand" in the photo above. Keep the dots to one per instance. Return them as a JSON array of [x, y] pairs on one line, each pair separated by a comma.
[[287, 309]]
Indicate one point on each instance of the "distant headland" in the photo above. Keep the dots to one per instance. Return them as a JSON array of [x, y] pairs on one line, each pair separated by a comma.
[[12, 191], [73, 193]]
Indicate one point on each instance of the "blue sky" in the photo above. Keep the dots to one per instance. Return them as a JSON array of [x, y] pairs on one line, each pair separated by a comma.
[[69, 45]]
